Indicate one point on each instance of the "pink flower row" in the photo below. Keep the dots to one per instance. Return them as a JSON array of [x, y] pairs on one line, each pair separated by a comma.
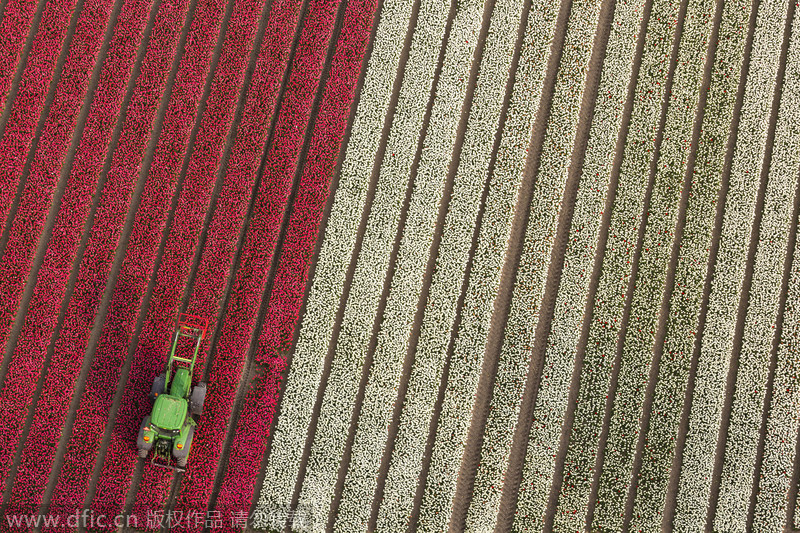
[[97, 263], [258, 248], [176, 263], [17, 20], [248, 446], [62, 248], [22, 122], [28, 357], [149, 224]]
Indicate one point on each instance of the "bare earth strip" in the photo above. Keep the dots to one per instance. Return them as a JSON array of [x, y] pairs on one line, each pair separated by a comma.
[[782, 422], [373, 261], [537, 252], [690, 276], [717, 344], [340, 235]]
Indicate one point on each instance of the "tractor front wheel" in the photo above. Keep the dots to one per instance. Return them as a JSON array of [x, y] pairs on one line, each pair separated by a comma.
[[198, 398]]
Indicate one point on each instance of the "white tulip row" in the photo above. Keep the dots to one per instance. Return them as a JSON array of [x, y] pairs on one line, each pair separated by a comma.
[[637, 354], [691, 270], [618, 255], [361, 308], [470, 180], [415, 247], [340, 236], [708, 395], [406, 462], [565, 331], [545, 206], [784, 411], [762, 307]]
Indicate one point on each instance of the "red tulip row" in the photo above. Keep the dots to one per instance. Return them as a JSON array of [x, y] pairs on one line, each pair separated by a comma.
[[256, 255], [138, 267], [25, 110], [63, 246], [144, 237], [247, 449], [14, 28], [26, 363], [176, 263]]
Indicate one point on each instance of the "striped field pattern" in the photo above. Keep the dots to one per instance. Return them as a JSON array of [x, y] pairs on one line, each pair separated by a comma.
[[468, 265]]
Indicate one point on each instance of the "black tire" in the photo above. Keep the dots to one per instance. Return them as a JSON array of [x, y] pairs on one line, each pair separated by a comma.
[[143, 447], [158, 386], [198, 398], [181, 455]]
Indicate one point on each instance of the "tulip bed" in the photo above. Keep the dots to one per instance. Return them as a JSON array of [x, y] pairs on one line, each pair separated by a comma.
[[606, 315], [236, 490], [16, 22], [656, 249], [515, 355], [23, 372], [261, 238], [340, 235], [111, 348], [179, 251], [690, 275], [52, 280], [708, 396], [744, 427], [166, 156], [471, 177], [584, 234], [18, 131], [783, 418], [371, 268]]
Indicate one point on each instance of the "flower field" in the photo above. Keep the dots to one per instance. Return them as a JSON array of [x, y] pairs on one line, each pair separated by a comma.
[[468, 265]]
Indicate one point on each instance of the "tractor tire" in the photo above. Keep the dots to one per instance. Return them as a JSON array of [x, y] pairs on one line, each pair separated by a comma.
[[142, 447], [198, 398], [158, 386], [181, 455]]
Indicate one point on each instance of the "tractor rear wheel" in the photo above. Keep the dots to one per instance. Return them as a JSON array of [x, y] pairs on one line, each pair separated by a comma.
[[182, 462], [158, 386], [142, 453], [198, 398]]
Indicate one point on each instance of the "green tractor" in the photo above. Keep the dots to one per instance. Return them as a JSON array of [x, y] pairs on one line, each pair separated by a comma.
[[169, 428]]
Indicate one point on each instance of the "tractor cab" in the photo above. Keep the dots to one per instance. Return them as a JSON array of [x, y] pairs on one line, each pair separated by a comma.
[[169, 428]]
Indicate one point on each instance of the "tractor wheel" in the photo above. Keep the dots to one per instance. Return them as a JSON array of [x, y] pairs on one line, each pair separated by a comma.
[[182, 462], [158, 386], [142, 447], [198, 398]]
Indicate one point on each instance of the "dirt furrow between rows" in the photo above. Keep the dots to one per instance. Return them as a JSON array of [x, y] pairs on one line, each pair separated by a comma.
[[44, 242], [730, 386], [595, 66], [80, 384], [472, 451], [778, 328], [354, 257], [21, 64], [672, 489], [428, 278], [670, 280], [634, 272], [43, 115], [103, 307], [323, 224]]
